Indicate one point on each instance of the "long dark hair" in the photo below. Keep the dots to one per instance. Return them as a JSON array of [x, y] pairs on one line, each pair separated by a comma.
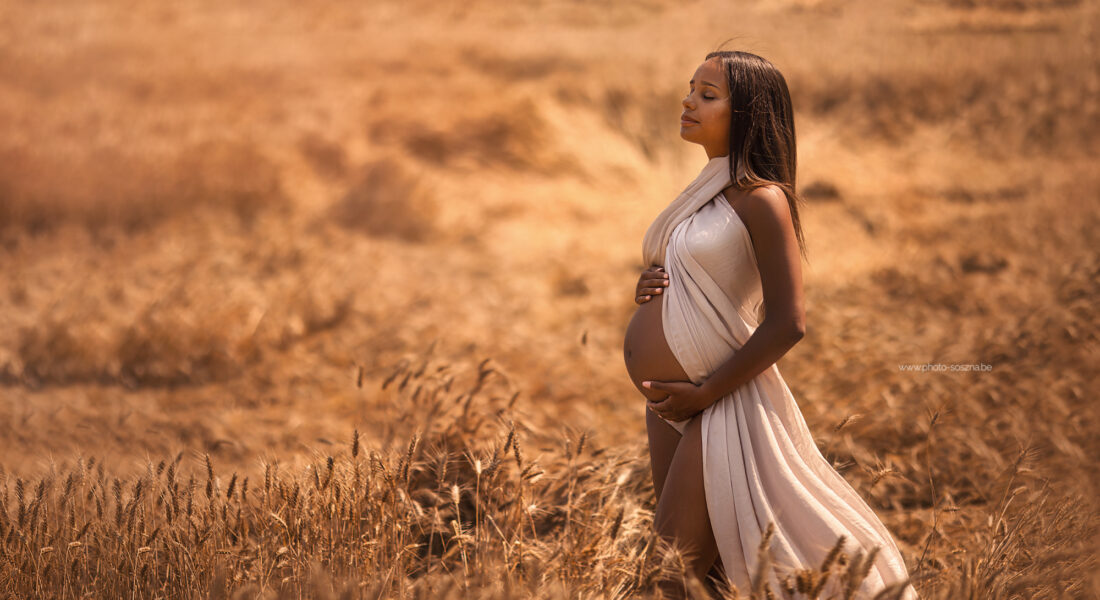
[[761, 127]]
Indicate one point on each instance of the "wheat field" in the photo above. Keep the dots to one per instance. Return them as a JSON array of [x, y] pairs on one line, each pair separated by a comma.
[[326, 300]]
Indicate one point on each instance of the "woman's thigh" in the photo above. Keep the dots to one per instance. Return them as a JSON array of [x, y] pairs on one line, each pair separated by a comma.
[[663, 439], [682, 508]]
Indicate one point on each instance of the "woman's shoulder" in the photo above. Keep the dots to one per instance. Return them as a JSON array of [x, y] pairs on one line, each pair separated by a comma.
[[764, 212], [766, 198]]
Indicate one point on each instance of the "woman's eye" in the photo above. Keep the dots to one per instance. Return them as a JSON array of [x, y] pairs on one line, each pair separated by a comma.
[[709, 97]]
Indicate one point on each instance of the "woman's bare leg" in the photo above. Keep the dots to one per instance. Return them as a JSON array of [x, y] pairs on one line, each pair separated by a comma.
[[682, 509], [663, 439]]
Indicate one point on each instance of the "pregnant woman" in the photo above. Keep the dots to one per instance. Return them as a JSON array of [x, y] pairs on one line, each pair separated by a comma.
[[721, 302]]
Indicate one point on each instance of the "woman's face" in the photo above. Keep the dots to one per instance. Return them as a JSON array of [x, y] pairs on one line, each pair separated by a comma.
[[706, 117]]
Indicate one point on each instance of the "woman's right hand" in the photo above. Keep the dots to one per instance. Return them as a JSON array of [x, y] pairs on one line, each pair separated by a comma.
[[653, 281]]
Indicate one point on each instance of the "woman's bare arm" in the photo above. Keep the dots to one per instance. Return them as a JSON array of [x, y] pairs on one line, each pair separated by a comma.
[[768, 219]]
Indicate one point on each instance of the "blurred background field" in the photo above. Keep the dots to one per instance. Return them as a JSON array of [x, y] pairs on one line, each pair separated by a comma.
[[223, 227]]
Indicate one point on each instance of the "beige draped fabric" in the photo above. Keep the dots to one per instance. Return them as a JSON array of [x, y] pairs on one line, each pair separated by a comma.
[[760, 462]]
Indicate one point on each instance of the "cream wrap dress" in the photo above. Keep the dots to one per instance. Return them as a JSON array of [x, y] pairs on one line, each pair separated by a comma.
[[760, 462]]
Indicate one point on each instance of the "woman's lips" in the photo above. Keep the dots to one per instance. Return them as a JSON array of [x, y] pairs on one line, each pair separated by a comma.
[[687, 122]]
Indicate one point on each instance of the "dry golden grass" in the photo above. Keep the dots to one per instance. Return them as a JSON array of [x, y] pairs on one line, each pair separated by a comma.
[[464, 508], [242, 235]]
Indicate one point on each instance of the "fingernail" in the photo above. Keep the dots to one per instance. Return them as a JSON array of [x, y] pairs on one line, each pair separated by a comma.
[[645, 384]]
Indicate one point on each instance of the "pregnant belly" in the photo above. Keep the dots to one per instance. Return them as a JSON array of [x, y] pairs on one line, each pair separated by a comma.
[[646, 351]]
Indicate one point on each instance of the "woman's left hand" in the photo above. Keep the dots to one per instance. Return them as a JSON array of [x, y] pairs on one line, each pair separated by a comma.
[[684, 400]]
